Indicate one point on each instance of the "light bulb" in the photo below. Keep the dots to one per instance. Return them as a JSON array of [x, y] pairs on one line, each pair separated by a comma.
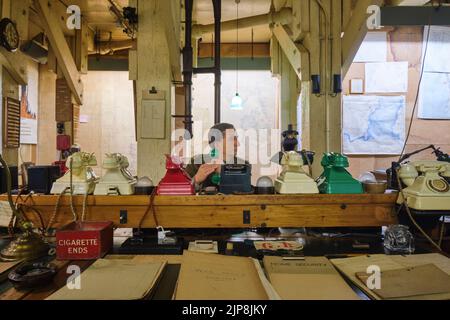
[[236, 102]]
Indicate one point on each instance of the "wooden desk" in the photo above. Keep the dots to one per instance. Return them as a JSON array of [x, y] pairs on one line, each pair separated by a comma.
[[253, 211]]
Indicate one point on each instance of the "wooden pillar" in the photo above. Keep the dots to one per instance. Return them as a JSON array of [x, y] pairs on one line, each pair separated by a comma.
[[153, 70], [315, 104], [334, 100], [46, 150], [290, 91], [319, 33]]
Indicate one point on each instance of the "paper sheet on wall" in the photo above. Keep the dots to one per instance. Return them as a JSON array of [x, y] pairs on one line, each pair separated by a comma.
[[374, 124], [387, 77], [28, 129], [438, 49], [373, 48], [434, 100]]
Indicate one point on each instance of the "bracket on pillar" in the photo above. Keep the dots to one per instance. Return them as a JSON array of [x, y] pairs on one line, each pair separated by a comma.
[[297, 54]]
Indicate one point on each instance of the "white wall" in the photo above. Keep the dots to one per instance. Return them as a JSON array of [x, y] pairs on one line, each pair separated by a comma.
[[109, 109]]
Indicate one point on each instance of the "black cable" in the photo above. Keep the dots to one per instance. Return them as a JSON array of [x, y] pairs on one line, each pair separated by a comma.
[[418, 90]]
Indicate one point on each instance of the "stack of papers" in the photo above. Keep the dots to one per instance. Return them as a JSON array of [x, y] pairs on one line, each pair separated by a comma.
[[421, 277]]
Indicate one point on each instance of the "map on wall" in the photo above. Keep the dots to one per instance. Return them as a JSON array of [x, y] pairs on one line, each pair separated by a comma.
[[374, 124], [434, 102]]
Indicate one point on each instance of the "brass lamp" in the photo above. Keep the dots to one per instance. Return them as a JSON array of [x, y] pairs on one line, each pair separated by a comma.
[[29, 245]]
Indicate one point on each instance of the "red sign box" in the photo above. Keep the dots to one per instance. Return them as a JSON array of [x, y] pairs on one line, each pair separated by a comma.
[[84, 240]]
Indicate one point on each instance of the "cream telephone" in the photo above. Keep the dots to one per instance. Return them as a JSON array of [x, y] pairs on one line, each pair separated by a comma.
[[427, 185], [117, 179], [80, 176], [293, 179]]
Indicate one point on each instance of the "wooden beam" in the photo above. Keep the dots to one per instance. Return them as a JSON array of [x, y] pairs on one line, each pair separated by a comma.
[[59, 10], [275, 57], [346, 13], [294, 52], [300, 20], [228, 50], [170, 10], [355, 32], [81, 47], [61, 49], [6, 8], [14, 64]]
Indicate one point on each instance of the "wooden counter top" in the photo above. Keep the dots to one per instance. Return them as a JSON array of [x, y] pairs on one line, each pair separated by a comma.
[[250, 211]]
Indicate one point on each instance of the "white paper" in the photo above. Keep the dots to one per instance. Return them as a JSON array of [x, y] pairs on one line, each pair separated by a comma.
[[374, 124], [28, 130], [357, 86], [84, 118], [387, 77], [373, 48], [434, 98], [438, 50]]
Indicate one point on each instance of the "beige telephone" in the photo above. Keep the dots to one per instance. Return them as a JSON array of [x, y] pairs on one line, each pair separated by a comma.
[[80, 175], [117, 180], [293, 179], [428, 187]]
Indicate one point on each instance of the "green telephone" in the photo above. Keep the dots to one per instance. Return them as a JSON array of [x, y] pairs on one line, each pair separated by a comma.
[[427, 185]]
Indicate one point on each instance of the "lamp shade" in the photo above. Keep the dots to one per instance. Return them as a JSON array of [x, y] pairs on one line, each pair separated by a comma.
[[236, 102]]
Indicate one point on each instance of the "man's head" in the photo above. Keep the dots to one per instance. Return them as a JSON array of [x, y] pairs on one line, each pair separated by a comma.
[[223, 137]]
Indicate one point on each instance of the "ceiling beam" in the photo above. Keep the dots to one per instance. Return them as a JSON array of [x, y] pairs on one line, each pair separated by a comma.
[[14, 64], [61, 49], [355, 32]]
